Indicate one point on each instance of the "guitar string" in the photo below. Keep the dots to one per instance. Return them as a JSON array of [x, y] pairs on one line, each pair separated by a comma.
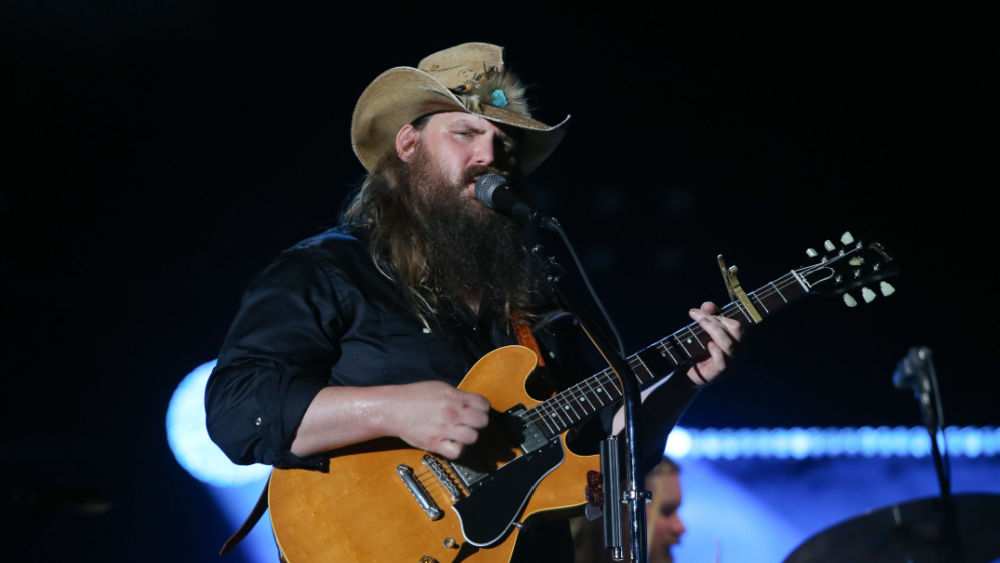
[[575, 399], [446, 468], [548, 409], [732, 310], [431, 483]]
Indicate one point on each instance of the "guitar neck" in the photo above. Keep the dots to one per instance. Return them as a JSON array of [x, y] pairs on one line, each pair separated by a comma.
[[659, 359]]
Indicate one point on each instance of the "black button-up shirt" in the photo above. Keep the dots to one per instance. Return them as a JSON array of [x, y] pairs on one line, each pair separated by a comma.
[[322, 314]]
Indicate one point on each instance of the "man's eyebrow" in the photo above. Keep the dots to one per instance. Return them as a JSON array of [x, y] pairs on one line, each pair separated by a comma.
[[475, 126], [462, 122]]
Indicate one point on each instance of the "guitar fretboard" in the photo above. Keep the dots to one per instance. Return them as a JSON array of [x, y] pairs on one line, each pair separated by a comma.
[[687, 345]]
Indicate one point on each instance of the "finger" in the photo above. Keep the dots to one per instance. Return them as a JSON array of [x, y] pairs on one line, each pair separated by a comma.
[[715, 329], [448, 448], [718, 358], [463, 435], [706, 371], [474, 401], [474, 418], [733, 327], [699, 378]]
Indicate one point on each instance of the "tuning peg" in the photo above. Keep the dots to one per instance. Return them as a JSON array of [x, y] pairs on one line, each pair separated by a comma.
[[850, 301], [811, 252], [886, 289], [847, 238], [829, 245], [868, 295]]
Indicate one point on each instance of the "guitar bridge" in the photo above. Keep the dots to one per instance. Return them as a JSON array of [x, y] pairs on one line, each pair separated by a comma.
[[441, 473], [418, 491]]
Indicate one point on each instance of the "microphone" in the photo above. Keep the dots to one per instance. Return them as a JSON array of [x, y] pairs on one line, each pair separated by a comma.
[[916, 371], [493, 191], [910, 370]]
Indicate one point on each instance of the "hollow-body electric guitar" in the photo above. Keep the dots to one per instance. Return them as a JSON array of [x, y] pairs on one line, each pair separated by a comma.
[[383, 500]]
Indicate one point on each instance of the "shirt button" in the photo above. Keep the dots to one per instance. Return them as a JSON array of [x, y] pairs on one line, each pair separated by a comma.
[[257, 422]]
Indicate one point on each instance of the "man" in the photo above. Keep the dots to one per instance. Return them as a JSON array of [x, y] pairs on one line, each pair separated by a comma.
[[664, 525], [364, 331]]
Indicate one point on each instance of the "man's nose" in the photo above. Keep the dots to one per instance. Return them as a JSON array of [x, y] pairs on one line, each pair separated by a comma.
[[484, 151]]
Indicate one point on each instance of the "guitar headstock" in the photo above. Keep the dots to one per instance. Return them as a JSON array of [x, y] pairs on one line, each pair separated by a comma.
[[849, 266]]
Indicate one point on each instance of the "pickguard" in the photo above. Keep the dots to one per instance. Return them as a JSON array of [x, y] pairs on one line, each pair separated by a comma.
[[496, 501]]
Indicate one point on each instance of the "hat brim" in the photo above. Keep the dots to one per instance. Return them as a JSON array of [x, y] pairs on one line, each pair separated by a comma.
[[400, 95]]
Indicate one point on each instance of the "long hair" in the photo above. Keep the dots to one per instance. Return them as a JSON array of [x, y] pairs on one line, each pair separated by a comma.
[[384, 206]]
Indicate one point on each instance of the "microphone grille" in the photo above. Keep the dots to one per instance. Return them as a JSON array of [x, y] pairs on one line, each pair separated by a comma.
[[486, 185]]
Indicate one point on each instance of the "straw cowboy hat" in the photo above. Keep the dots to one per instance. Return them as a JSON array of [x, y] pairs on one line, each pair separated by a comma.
[[468, 77]]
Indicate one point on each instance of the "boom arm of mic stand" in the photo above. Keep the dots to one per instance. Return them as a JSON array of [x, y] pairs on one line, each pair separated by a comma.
[[635, 494]]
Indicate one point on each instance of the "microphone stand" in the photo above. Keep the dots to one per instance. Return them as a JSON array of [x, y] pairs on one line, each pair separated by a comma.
[[635, 494], [925, 390]]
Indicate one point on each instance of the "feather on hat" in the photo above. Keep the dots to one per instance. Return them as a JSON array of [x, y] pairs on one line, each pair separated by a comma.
[[468, 77]]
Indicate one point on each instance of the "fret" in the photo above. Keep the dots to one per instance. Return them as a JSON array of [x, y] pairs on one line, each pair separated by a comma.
[[600, 393], [656, 362], [569, 409], [747, 319], [696, 337], [582, 400], [774, 302], [643, 378], [760, 302], [666, 348], [681, 344], [554, 415], [778, 291], [593, 398], [550, 431], [614, 386]]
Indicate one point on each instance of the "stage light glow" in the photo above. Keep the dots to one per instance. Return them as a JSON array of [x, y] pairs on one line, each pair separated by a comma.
[[678, 443], [801, 443], [188, 437]]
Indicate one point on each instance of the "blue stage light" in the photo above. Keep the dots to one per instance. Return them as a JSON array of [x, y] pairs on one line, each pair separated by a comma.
[[188, 437], [801, 443]]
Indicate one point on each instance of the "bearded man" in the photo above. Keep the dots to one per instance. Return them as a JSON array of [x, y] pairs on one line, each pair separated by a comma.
[[364, 331]]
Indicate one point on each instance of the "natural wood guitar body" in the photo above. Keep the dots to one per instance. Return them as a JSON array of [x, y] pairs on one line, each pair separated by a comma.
[[361, 510]]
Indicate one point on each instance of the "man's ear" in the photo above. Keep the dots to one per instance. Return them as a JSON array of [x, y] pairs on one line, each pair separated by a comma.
[[406, 142]]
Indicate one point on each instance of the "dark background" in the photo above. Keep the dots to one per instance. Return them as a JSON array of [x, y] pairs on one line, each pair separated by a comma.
[[160, 154]]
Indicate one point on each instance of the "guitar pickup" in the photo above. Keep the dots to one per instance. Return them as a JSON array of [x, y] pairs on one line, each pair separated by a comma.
[[521, 431]]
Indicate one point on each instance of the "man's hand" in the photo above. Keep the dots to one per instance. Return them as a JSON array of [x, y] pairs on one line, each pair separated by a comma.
[[725, 333], [430, 415], [434, 416]]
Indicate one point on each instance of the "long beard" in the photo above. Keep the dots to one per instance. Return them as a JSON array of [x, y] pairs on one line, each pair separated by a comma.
[[476, 257]]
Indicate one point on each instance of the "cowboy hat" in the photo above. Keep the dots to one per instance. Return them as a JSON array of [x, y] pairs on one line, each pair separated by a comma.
[[468, 77]]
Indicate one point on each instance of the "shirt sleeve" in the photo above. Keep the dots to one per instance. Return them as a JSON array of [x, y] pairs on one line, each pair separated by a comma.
[[276, 357]]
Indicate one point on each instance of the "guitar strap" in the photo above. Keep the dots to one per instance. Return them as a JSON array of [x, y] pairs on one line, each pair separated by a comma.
[[251, 521], [524, 338]]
